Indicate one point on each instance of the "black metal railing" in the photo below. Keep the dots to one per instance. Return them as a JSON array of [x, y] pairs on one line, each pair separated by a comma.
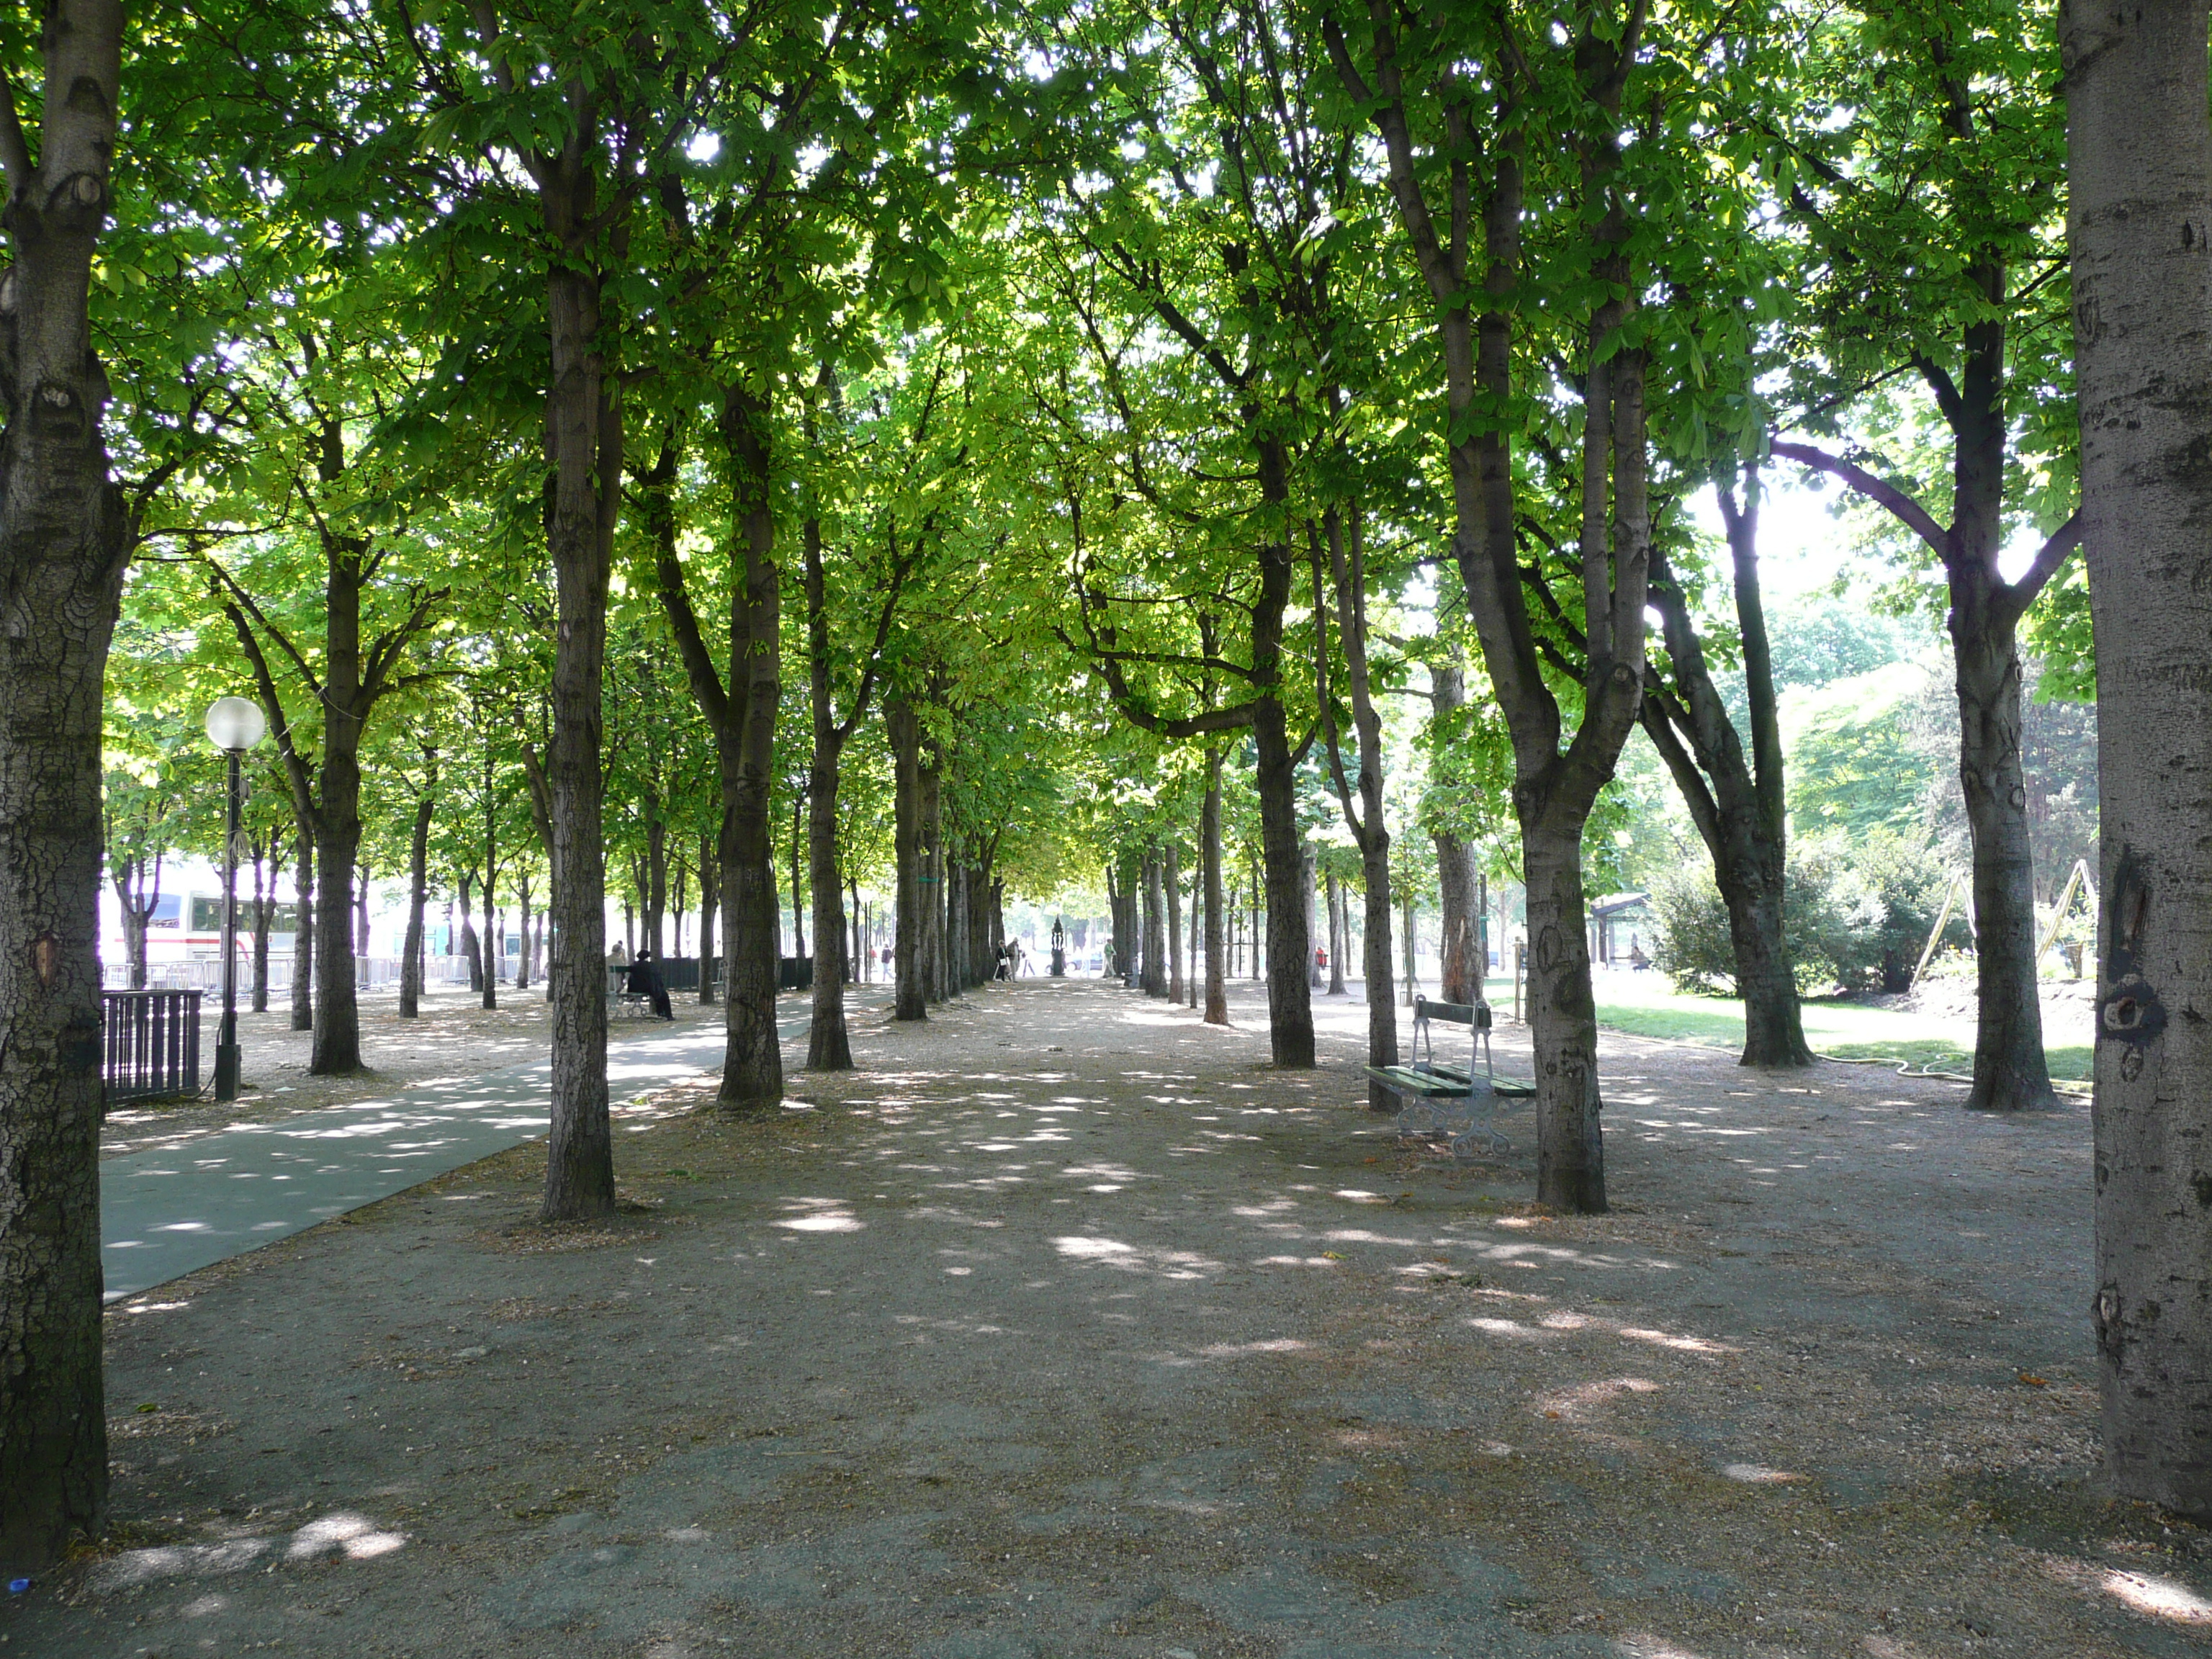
[[151, 1047], [682, 972]]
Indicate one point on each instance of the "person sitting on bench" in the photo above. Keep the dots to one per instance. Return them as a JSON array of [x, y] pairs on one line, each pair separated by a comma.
[[644, 980]]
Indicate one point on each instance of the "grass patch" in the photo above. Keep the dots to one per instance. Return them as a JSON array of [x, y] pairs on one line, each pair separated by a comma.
[[1646, 1006]]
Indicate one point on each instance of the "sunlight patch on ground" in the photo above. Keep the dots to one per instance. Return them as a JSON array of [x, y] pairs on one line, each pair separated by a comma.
[[1757, 1475], [1577, 1403], [341, 1533], [1640, 1645], [820, 1215], [2161, 1598]]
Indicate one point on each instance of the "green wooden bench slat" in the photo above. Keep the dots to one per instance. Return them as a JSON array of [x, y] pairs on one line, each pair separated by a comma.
[[1512, 1088], [1408, 1081]]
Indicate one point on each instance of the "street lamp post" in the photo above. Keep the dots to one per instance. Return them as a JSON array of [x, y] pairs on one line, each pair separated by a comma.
[[234, 726]]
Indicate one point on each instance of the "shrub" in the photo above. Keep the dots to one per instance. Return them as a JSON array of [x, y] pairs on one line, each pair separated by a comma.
[[1690, 930], [1857, 912]]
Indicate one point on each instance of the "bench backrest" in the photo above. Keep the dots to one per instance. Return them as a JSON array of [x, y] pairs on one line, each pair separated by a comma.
[[1474, 1014]]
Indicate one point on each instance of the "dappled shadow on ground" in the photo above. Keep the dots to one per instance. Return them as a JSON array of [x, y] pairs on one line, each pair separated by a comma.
[[1069, 1327]]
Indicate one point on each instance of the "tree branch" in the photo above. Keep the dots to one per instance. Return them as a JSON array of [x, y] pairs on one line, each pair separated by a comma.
[[1907, 511]]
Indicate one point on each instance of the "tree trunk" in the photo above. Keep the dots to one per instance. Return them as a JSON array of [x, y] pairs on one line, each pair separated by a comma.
[[1337, 934], [829, 1047], [303, 930], [1152, 972], [1563, 1013], [1289, 999], [909, 999], [418, 894], [1174, 878], [1209, 860], [136, 914], [469, 951], [752, 1073], [956, 976], [584, 444], [2010, 1070], [1457, 980], [2140, 202], [710, 897], [522, 960], [1736, 805], [1553, 789], [265, 900], [931, 897], [656, 879], [336, 1051], [494, 950], [64, 538]]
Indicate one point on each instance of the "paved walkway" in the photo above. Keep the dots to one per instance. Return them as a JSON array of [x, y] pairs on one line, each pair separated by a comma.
[[166, 1213]]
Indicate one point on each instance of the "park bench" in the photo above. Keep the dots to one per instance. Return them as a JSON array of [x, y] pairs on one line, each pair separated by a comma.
[[1437, 1098], [622, 1001]]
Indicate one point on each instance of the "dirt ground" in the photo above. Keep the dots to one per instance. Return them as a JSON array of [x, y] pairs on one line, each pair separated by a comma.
[[1069, 1327], [455, 1036]]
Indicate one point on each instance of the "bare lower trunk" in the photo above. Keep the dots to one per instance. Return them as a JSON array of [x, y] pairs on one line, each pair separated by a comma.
[[303, 933], [65, 537], [1773, 1029], [752, 1067], [2010, 1071], [656, 881], [134, 945], [1152, 972], [910, 999], [752, 1073], [418, 893], [265, 900], [1563, 1013], [1289, 999], [494, 956], [828, 1046], [710, 898], [1174, 880], [2140, 200], [1458, 981], [1375, 965], [930, 896], [1335, 901], [584, 439], [1209, 858]]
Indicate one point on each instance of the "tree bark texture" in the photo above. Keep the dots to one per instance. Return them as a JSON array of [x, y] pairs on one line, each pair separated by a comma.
[[418, 894], [1362, 804], [65, 535], [1290, 950], [2140, 233], [929, 797], [303, 930], [1335, 903], [584, 446], [1216, 900], [2010, 1068], [1172, 878], [710, 899], [1458, 981], [264, 903], [828, 1046], [752, 1072], [1152, 977], [910, 1000]]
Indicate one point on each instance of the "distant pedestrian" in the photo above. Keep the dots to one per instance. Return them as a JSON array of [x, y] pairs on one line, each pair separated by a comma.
[[644, 980]]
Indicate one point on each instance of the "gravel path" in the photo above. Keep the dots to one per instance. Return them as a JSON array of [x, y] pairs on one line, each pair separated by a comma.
[[1069, 1327]]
